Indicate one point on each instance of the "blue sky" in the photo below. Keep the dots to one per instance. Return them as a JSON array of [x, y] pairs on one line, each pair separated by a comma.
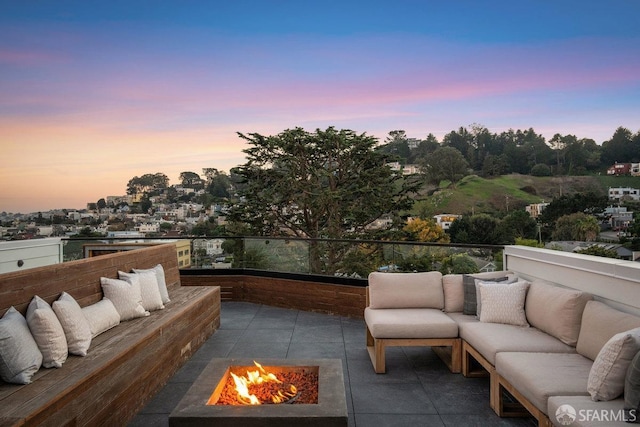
[[95, 93]]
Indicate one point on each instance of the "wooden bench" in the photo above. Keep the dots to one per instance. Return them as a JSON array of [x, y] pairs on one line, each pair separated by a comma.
[[126, 365]]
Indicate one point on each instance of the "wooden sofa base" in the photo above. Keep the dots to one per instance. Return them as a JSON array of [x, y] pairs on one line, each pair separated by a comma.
[[376, 348], [498, 401], [123, 369], [509, 409]]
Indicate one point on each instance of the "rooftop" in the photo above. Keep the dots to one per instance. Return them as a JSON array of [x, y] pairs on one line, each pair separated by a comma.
[[417, 389]]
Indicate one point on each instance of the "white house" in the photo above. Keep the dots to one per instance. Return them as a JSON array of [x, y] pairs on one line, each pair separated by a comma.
[[445, 220], [618, 193]]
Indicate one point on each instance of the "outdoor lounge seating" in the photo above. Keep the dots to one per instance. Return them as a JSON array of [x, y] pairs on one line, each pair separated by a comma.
[[542, 339], [125, 365]]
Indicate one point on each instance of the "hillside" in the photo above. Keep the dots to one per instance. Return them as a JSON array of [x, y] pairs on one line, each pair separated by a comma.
[[505, 193]]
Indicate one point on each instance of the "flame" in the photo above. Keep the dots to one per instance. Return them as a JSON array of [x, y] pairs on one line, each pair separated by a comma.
[[258, 376], [280, 397]]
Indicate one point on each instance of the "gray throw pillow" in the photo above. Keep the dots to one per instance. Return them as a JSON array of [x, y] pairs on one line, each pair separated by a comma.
[[632, 391], [470, 294], [470, 298], [20, 357]]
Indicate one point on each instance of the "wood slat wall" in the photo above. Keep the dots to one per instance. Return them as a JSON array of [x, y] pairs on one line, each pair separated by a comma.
[[18, 288], [297, 294]]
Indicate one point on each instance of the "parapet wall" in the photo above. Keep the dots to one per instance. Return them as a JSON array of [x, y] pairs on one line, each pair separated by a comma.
[[614, 281]]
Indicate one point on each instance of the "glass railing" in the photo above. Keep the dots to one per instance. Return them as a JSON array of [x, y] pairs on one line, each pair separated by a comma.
[[344, 258]]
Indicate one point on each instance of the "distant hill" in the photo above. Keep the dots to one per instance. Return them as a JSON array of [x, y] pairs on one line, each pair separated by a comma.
[[510, 192]]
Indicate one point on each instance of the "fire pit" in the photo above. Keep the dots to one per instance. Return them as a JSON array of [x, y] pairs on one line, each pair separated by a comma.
[[318, 398]]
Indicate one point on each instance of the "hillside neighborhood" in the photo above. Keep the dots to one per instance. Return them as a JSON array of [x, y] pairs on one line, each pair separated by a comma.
[[190, 220]]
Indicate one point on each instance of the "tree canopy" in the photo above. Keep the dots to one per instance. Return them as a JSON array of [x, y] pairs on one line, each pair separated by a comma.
[[324, 184], [147, 184]]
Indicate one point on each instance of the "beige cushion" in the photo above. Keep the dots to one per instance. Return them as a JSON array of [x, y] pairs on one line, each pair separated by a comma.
[[508, 279], [462, 319], [599, 323], [491, 338], [606, 379], [504, 303], [76, 328], [20, 357], [406, 290], [541, 375], [126, 297], [556, 311], [453, 293], [162, 282], [410, 323], [148, 280], [47, 332], [101, 316]]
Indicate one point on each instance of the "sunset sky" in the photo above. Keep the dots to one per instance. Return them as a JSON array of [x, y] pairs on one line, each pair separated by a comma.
[[95, 93]]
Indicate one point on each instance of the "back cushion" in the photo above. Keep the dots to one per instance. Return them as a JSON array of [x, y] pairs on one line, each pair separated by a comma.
[[406, 290], [599, 323], [556, 311], [453, 293]]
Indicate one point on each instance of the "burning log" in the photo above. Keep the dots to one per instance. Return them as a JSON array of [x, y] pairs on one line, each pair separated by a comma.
[[262, 387]]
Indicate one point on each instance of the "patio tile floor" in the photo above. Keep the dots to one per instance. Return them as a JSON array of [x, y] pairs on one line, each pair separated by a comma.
[[417, 389]]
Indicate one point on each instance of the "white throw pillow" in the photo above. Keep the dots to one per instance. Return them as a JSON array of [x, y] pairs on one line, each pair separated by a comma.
[[75, 325], [20, 357], [504, 303], [508, 279], [162, 281], [607, 375], [101, 316], [151, 298], [47, 332], [126, 297]]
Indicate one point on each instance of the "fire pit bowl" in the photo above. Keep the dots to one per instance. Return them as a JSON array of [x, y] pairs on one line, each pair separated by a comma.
[[198, 408]]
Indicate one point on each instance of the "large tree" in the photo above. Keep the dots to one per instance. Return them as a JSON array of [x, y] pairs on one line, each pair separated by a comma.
[[147, 184], [326, 184], [191, 180], [478, 229], [576, 226], [446, 163], [623, 147]]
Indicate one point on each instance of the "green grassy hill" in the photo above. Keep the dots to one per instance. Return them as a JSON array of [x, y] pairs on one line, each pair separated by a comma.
[[510, 192]]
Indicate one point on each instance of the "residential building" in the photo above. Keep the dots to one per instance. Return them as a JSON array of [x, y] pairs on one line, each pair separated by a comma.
[[619, 217], [535, 209], [445, 220], [620, 193], [632, 169]]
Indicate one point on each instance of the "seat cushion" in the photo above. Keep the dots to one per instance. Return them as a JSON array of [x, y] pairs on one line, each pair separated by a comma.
[[581, 411], [599, 323], [537, 376], [490, 338], [556, 311], [410, 323]]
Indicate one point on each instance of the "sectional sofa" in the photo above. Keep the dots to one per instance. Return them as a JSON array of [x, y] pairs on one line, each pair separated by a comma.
[[562, 353]]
